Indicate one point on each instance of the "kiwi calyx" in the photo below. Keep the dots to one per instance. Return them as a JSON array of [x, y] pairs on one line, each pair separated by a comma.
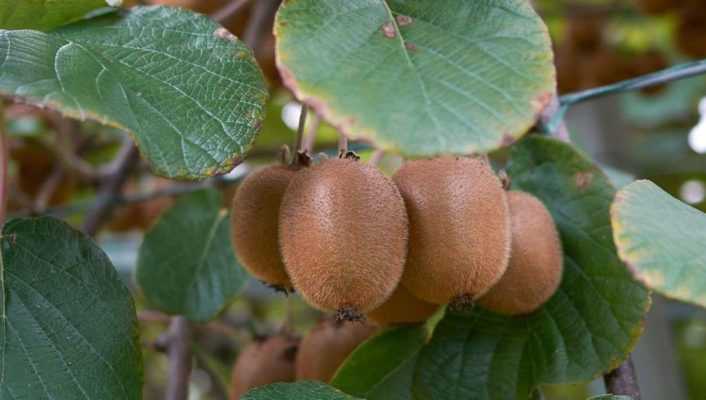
[[349, 314]]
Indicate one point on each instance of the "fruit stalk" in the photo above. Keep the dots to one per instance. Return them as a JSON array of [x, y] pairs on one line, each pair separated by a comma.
[[179, 354], [623, 381]]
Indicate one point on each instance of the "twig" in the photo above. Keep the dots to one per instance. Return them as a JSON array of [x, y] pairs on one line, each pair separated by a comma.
[[65, 153], [105, 201], [623, 381], [179, 354], [261, 19], [310, 134], [49, 187], [228, 10]]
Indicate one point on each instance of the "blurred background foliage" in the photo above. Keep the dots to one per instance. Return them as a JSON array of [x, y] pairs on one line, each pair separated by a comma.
[[56, 165]]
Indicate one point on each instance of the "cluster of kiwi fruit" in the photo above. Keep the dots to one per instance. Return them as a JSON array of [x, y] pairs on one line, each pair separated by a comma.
[[584, 59], [284, 357], [354, 242]]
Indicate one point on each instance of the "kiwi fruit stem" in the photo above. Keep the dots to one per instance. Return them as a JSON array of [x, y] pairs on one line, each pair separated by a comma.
[[342, 145], [378, 154], [300, 135]]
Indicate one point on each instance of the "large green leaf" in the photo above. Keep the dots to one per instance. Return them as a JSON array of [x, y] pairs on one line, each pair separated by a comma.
[[68, 328], [662, 240], [588, 326], [383, 367], [44, 14], [421, 77], [192, 95], [186, 264], [297, 391]]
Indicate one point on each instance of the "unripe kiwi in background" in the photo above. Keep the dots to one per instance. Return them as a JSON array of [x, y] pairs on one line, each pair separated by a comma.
[[459, 241], [536, 263], [327, 346], [343, 236], [402, 308], [264, 361], [255, 221]]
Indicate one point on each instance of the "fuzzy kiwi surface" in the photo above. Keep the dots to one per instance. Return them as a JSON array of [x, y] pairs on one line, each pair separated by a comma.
[[327, 346], [255, 222], [402, 308], [343, 236], [459, 242], [265, 361], [536, 260]]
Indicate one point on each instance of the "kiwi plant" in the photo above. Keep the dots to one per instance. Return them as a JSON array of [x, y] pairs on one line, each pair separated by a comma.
[[536, 261], [327, 346], [343, 235], [264, 361], [255, 221], [459, 242]]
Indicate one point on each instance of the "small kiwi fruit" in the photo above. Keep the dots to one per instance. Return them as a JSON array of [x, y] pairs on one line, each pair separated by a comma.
[[459, 242], [343, 236], [255, 221], [402, 308], [327, 346], [265, 361], [536, 261]]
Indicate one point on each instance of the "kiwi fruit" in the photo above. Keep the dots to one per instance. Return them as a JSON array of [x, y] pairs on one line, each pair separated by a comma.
[[535, 269], [459, 242], [343, 236], [402, 308], [327, 346], [255, 221], [265, 361]]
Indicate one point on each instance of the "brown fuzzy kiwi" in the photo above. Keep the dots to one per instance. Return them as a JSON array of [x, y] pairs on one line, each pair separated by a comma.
[[327, 346], [255, 221], [536, 261], [402, 308], [343, 236], [459, 242], [265, 361]]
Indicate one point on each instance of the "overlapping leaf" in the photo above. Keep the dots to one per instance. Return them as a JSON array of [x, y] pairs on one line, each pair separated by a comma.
[[420, 77], [297, 391], [68, 328], [191, 93], [44, 14], [186, 264], [662, 240]]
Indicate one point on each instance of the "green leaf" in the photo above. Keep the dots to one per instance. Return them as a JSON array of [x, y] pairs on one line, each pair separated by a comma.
[[68, 328], [192, 96], [420, 77], [610, 397], [383, 367], [662, 240], [587, 328], [186, 264], [297, 391], [44, 14]]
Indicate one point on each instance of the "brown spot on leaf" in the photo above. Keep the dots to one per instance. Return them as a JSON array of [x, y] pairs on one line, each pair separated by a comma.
[[583, 179], [540, 102], [404, 20], [508, 140], [410, 46], [389, 30]]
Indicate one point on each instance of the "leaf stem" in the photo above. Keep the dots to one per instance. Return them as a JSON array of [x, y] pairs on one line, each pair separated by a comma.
[[180, 359], [623, 381], [263, 14], [300, 131]]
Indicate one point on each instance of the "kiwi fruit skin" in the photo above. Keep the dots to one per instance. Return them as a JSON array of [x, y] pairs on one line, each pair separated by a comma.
[[459, 242], [402, 308], [255, 224], [536, 260], [265, 361], [327, 346], [343, 236]]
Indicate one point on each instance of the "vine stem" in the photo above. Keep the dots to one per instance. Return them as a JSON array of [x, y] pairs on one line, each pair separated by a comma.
[[623, 381], [179, 353]]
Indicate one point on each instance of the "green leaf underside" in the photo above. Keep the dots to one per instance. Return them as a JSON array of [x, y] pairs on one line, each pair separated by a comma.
[[68, 328], [586, 328], [297, 391], [457, 77], [662, 240], [44, 14], [383, 367], [186, 264], [192, 97]]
